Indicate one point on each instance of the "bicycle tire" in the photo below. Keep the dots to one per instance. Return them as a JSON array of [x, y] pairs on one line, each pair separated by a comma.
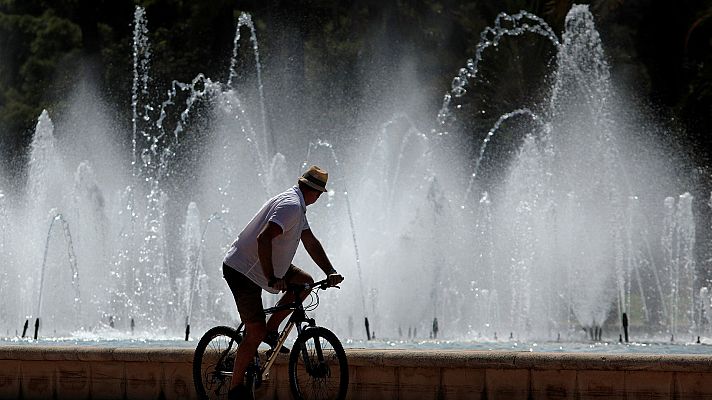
[[328, 378], [213, 362]]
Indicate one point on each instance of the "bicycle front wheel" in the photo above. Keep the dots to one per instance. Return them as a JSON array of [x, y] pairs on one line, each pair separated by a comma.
[[213, 361], [318, 367]]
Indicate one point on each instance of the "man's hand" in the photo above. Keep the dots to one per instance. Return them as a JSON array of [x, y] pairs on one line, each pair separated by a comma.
[[335, 278], [278, 284]]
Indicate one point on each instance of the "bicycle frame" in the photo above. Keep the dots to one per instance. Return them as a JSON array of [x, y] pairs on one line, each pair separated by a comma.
[[212, 375], [296, 319]]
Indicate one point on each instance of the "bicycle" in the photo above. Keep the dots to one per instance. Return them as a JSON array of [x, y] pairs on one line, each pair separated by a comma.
[[317, 362]]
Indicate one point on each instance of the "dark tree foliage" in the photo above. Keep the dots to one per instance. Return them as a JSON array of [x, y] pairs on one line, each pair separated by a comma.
[[42, 46], [662, 49]]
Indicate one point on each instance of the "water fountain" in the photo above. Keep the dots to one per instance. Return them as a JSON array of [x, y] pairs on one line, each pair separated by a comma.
[[564, 244]]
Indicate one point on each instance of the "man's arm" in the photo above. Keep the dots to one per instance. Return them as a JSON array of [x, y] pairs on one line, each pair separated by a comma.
[[264, 253], [317, 253]]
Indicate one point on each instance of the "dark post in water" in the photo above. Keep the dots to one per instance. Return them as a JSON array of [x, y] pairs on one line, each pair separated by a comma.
[[37, 327], [24, 330], [625, 326], [368, 330], [187, 328]]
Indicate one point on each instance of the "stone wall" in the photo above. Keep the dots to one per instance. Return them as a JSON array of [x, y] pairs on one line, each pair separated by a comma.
[[30, 372]]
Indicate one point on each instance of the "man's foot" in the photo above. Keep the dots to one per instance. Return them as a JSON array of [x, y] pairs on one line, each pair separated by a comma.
[[239, 392], [271, 338]]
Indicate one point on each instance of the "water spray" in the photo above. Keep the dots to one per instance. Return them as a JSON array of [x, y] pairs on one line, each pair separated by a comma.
[[57, 216], [321, 143], [246, 20], [488, 137], [216, 216], [516, 25]]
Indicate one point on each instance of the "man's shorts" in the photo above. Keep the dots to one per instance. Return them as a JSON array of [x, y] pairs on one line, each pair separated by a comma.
[[248, 295]]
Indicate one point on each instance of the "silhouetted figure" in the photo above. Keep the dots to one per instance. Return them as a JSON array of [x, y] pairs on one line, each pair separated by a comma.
[[672, 338], [435, 328], [620, 338], [133, 326], [111, 321], [558, 337], [495, 336], [511, 335], [698, 340], [278, 228]]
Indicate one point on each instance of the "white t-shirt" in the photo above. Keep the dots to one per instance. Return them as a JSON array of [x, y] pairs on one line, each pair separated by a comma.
[[287, 210]]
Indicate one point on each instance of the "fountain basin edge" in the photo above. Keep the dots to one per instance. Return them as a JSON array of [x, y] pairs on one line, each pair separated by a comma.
[[153, 373]]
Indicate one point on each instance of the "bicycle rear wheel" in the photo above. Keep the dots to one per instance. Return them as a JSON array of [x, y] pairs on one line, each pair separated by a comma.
[[318, 367], [213, 362]]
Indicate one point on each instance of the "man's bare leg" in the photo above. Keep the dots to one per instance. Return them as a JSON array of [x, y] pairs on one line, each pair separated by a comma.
[[254, 333]]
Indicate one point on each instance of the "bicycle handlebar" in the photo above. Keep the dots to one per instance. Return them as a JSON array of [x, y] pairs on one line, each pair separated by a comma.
[[322, 284]]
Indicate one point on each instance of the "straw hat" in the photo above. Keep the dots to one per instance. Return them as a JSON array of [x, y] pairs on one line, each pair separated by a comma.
[[315, 178]]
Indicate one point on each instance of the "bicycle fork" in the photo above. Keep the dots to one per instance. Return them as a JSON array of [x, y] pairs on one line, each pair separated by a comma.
[[314, 369]]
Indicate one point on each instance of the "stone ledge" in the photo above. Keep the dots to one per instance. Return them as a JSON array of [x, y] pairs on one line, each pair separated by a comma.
[[480, 359], [166, 373], [497, 359]]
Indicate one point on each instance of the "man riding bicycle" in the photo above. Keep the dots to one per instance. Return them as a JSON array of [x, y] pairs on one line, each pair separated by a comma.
[[261, 258]]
